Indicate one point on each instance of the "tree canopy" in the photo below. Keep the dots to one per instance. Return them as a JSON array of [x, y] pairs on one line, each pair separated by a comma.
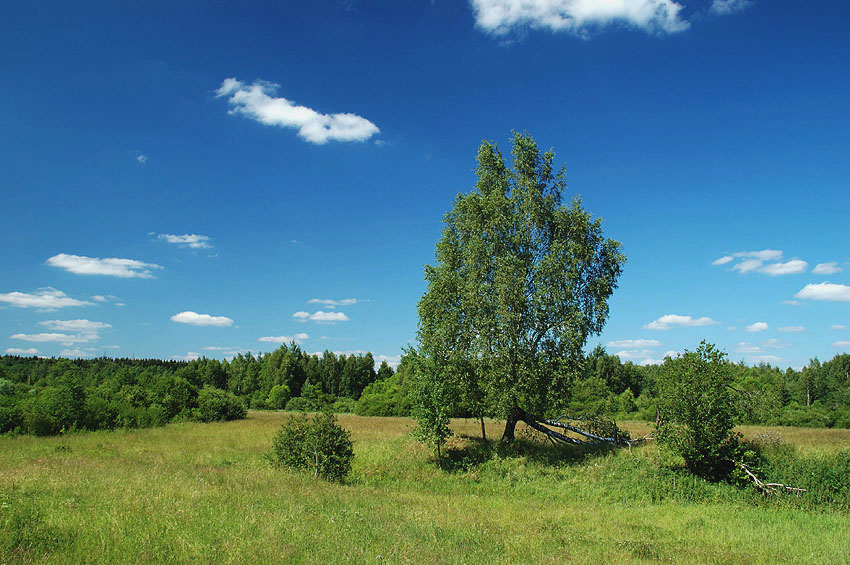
[[520, 281]]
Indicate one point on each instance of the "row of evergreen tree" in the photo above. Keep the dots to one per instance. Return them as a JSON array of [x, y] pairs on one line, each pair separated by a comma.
[[45, 396]]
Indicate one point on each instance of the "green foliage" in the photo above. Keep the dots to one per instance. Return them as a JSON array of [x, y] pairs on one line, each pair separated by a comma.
[[317, 444], [519, 283], [218, 405], [278, 397], [432, 396], [697, 411], [301, 404]]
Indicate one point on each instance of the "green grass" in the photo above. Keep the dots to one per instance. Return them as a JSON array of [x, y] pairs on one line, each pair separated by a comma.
[[205, 493]]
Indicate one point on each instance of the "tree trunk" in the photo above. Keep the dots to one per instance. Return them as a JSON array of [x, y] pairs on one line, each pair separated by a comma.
[[483, 430], [510, 425]]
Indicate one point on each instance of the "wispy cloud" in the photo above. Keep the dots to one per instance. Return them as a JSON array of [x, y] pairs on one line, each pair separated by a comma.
[[193, 240], [841, 344], [257, 102], [110, 266], [142, 159], [726, 7], [629, 343], [330, 303], [297, 338], [791, 329], [757, 327], [190, 356], [670, 320], [195, 319], [75, 325], [766, 261], [63, 338], [827, 268], [320, 316], [578, 17], [829, 292], [838, 327], [45, 298]]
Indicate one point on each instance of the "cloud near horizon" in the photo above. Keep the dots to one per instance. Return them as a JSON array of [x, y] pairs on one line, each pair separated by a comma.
[[195, 319], [281, 339], [578, 17], [109, 266], [669, 320], [256, 101]]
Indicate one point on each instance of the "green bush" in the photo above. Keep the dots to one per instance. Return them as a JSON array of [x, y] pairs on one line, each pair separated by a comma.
[[317, 444], [697, 411], [278, 397], [301, 404], [54, 408], [218, 405]]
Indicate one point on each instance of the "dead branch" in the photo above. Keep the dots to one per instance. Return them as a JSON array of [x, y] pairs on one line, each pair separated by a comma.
[[770, 488]]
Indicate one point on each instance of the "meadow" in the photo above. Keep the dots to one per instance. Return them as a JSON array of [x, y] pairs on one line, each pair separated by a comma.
[[193, 492]]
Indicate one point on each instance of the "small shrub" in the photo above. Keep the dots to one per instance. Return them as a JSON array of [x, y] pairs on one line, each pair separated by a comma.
[[218, 405], [279, 395], [300, 404], [316, 444]]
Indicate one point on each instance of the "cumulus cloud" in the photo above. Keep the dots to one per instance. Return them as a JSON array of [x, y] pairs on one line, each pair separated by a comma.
[[195, 319], [791, 329], [726, 7], [45, 298], [634, 353], [74, 325], [19, 351], [297, 338], [191, 240], [320, 316], [63, 338], [827, 268], [792, 267], [669, 320], [257, 102], [110, 266], [578, 17], [829, 292], [757, 327], [634, 343]]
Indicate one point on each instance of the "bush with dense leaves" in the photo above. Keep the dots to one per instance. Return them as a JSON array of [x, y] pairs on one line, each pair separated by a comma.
[[697, 411], [279, 395], [218, 405], [317, 444]]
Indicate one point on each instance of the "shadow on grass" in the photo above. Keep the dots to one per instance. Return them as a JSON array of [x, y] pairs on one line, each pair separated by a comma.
[[463, 452]]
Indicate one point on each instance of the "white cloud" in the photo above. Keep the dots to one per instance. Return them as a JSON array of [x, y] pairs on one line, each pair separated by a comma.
[[838, 327], [76, 353], [748, 265], [46, 298], [123, 268], [142, 159], [64, 339], [791, 302], [791, 329], [827, 268], [757, 327], [320, 316], [726, 7], [723, 260], [756, 359], [634, 354], [744, 347], [190, 356], [634, 343], [98, 298], [195, 319], [330, 303], [256, 101], [792, 267], [392, 360], [19, 351], [297, 338], [841, 344], [772, 343], [193, 240], [74, 325], [825, 291], [668, 320], [577, 16]]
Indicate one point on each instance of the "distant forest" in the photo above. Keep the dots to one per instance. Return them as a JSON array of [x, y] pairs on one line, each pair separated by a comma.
[[49, 396]]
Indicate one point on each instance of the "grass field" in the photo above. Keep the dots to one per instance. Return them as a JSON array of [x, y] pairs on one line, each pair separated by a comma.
[[205, 493]]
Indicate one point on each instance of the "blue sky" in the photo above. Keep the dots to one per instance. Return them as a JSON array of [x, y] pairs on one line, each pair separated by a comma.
[[182, 179]]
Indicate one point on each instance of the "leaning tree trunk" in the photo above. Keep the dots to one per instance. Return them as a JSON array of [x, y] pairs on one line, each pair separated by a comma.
[[544, 426]]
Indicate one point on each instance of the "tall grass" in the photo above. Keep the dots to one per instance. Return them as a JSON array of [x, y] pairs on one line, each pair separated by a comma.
[[204, 493]]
